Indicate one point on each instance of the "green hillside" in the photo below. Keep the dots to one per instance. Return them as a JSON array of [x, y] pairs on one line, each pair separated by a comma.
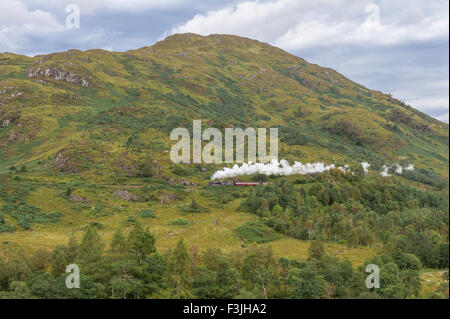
[[84, 144]]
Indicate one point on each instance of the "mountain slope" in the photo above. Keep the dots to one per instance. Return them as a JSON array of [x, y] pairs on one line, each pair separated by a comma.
[[84, 136], [65, 101]]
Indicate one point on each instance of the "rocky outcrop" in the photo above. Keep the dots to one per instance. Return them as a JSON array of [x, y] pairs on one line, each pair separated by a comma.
[[126, 195], [77, 198], [167, 198], [125, 164], [294, 69], [59, 74], [402, 117], [183, 182], [13, 136], [64, 164]]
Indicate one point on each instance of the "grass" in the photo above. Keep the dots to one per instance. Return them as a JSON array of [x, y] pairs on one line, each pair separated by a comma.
[[431, 279], [212, 230]]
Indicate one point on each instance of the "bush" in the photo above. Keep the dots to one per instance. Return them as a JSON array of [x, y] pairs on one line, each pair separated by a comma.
[[261, 178], [194, 207], [129, 221], [146, 169], [180, 171], [256, 232], [412, 262], [147, 213], [6, 228], [178, 222], [95, 225]]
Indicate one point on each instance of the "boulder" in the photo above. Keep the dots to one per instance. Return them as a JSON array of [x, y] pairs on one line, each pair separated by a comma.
[[77, 198], [167, 198], [126, 195], [64, 164]]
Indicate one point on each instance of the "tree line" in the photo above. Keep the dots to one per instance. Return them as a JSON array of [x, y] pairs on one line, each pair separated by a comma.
[[131, 267], [357, 210]]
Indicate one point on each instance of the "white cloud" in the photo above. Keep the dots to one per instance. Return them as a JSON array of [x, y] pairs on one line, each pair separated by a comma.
[[93, 6], [393, 46], [371, 32], [293, 24], [443, 117], [430, 103], [17, 22], [384, 46], [14, 13]]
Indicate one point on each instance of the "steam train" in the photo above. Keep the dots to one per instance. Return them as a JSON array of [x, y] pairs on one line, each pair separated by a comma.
[[235, 183]]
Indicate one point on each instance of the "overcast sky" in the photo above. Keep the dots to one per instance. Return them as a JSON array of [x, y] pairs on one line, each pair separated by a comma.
[[396, 46]]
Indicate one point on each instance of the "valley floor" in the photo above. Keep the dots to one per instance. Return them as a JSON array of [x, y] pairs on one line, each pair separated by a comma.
[[206, 230]]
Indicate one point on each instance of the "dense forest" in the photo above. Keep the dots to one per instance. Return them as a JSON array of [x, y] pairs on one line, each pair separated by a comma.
[[131, 267], [358, 210]]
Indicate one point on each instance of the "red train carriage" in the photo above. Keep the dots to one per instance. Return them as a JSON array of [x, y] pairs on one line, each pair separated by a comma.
[[248, 183], [229, 183]]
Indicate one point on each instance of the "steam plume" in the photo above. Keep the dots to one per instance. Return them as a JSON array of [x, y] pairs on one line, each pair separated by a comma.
[[283, 168], [365, 167], [275, 167], [398, 169]]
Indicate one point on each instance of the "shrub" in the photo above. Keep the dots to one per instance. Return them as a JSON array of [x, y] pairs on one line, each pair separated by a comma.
[[256, 232], [147, 213], [194, 207], [178, 222], [129, 221]]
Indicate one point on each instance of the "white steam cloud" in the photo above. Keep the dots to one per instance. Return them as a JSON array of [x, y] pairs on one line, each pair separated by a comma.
[[283, 168], [275, 167], [385, 171], [398, 169], [365, 167]]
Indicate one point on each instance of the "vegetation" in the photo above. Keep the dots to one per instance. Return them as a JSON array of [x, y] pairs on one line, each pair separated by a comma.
[[131, 268], [179, 222], [357, 210], [255, 232], [86, 178]]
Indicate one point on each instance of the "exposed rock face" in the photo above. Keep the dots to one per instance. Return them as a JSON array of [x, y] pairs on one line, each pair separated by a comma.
[[167, 198], [77, 198], [294, 67], [64, 164], [125, 164], [12, 136], [6, 123], [59, 74], [126, 195], [402, 117], [172, 181]]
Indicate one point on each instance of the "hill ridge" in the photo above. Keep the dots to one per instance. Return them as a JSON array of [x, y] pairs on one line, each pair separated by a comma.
[[221, 79]]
